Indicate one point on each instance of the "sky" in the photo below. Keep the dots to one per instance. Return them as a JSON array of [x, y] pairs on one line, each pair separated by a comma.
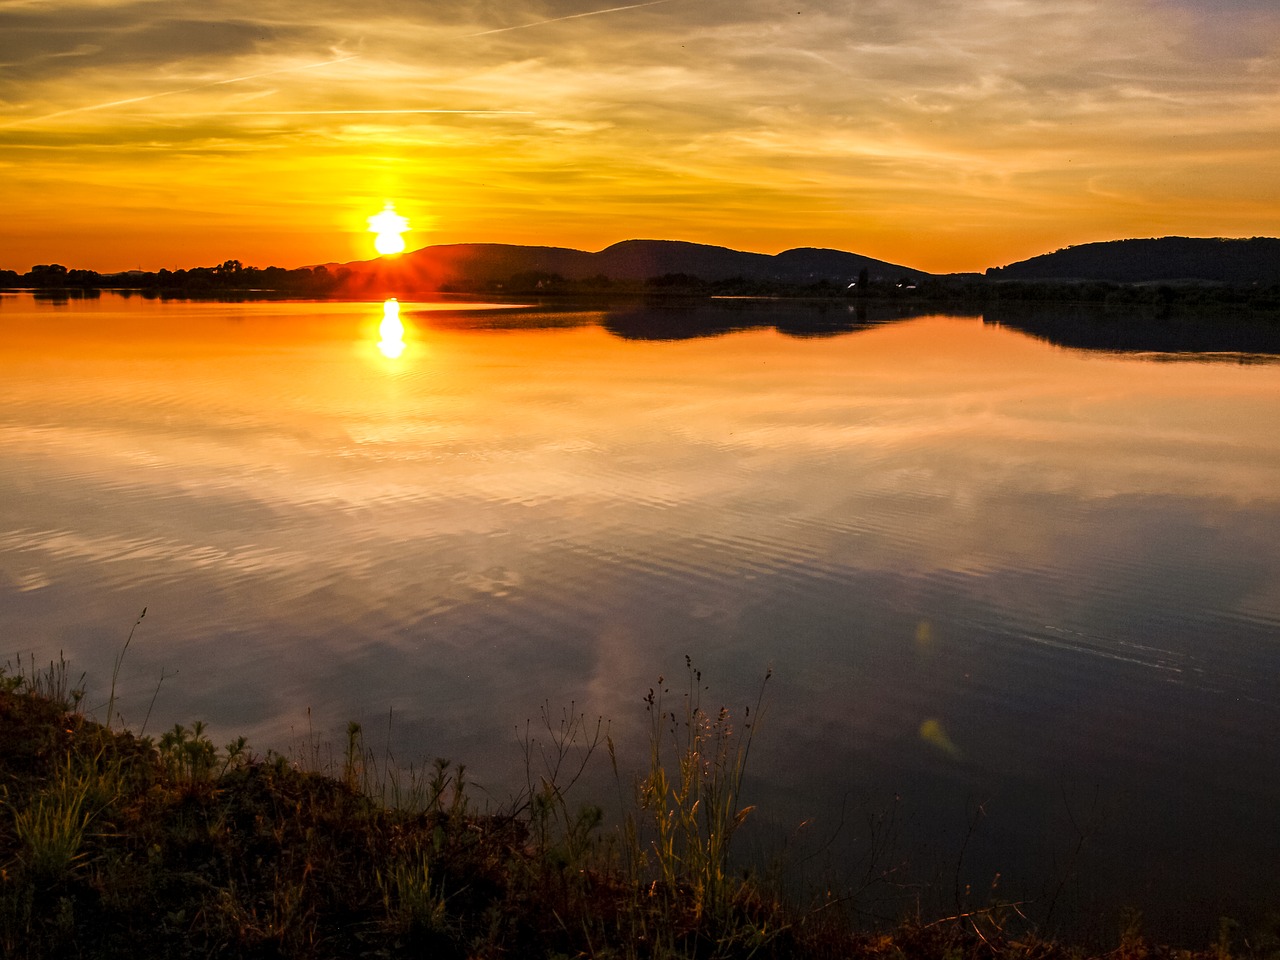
[[944, 135]]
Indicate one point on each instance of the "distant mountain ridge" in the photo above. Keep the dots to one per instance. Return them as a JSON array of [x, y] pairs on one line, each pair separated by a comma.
[[480, 264], [1255, 260]]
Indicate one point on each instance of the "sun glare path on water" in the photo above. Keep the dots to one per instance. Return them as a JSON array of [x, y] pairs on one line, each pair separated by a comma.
[[391, 330], [387, 227]]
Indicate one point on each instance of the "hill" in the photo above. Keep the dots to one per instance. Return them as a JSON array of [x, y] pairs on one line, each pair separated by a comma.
[[481, 265], [1166, 259]]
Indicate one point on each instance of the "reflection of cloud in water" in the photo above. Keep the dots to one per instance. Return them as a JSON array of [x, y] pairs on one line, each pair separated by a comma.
[[494, 581]]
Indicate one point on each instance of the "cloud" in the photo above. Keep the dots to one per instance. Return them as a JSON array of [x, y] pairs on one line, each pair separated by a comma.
[[1012, 116]]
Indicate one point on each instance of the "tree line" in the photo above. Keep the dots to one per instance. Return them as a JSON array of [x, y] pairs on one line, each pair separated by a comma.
[[232, 278]]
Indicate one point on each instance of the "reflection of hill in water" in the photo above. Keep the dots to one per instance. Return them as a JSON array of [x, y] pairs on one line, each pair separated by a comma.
[[714, 318], [1186, 336], [1204, 336], [504, 317]]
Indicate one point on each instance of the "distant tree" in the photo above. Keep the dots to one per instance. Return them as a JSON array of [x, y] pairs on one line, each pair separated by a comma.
[[84, 278], [47, 275]]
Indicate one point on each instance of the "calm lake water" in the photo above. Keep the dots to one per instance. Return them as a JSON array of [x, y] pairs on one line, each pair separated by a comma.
[[1009, 589]]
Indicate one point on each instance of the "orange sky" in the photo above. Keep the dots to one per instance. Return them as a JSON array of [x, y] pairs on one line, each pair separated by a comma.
[[937, 134]]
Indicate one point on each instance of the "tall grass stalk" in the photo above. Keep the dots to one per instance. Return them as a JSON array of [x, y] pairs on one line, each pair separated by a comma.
[[115, 668], [690, 799], [53, 683]]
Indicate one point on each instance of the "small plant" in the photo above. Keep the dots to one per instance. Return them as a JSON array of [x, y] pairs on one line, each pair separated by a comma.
[[554, 763], [189, 756], [236, 755], [53, 824], [353, 766], [11, 682], [409, 897], [441, 781]]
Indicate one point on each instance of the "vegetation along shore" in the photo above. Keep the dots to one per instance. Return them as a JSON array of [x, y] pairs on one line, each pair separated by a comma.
[[114, 844]]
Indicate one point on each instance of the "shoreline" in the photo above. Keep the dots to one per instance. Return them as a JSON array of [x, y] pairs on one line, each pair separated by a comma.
[[156, 847]]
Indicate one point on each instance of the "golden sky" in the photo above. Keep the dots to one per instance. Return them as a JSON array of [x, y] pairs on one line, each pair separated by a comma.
[[945, 135]]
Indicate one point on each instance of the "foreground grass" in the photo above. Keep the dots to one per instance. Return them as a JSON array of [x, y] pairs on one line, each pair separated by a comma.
[[112, 845]]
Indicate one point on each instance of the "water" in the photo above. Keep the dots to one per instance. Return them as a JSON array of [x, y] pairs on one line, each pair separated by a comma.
[[1010, 590]]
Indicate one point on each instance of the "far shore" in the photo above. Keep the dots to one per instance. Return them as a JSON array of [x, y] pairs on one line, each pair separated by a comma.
[[233, 281]]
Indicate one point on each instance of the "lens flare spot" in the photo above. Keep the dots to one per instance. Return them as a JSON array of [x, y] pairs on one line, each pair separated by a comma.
[[932, 733], [388, 227], [391, 330], [924, 636]]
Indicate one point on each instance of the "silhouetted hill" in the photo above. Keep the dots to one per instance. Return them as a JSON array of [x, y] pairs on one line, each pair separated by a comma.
[[1145, 261], [481, 265]]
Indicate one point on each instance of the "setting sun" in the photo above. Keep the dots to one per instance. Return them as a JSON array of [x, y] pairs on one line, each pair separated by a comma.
[[388, 227]]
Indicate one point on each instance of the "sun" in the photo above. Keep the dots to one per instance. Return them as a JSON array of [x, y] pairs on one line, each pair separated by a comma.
[[388, 227]]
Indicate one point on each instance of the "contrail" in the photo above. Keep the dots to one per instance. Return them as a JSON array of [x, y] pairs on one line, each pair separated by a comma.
[[336, 113], [170, 93], [572, 16]]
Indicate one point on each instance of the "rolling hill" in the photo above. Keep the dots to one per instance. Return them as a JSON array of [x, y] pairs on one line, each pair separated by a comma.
[[1167, 259], [479, 265]]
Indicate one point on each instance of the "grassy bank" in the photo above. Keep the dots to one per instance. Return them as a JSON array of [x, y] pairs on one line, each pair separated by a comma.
[[115, 845]]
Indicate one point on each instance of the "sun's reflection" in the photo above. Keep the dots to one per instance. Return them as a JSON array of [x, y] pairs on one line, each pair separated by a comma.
[[391, 330]]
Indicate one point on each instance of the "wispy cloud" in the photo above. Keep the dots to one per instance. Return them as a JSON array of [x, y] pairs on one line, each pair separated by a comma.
[[110, 104], [940, 134]]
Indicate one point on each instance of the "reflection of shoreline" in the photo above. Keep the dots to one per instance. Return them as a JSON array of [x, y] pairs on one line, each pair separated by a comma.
[[1083, 327], [1169, 338], [714, 318]]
